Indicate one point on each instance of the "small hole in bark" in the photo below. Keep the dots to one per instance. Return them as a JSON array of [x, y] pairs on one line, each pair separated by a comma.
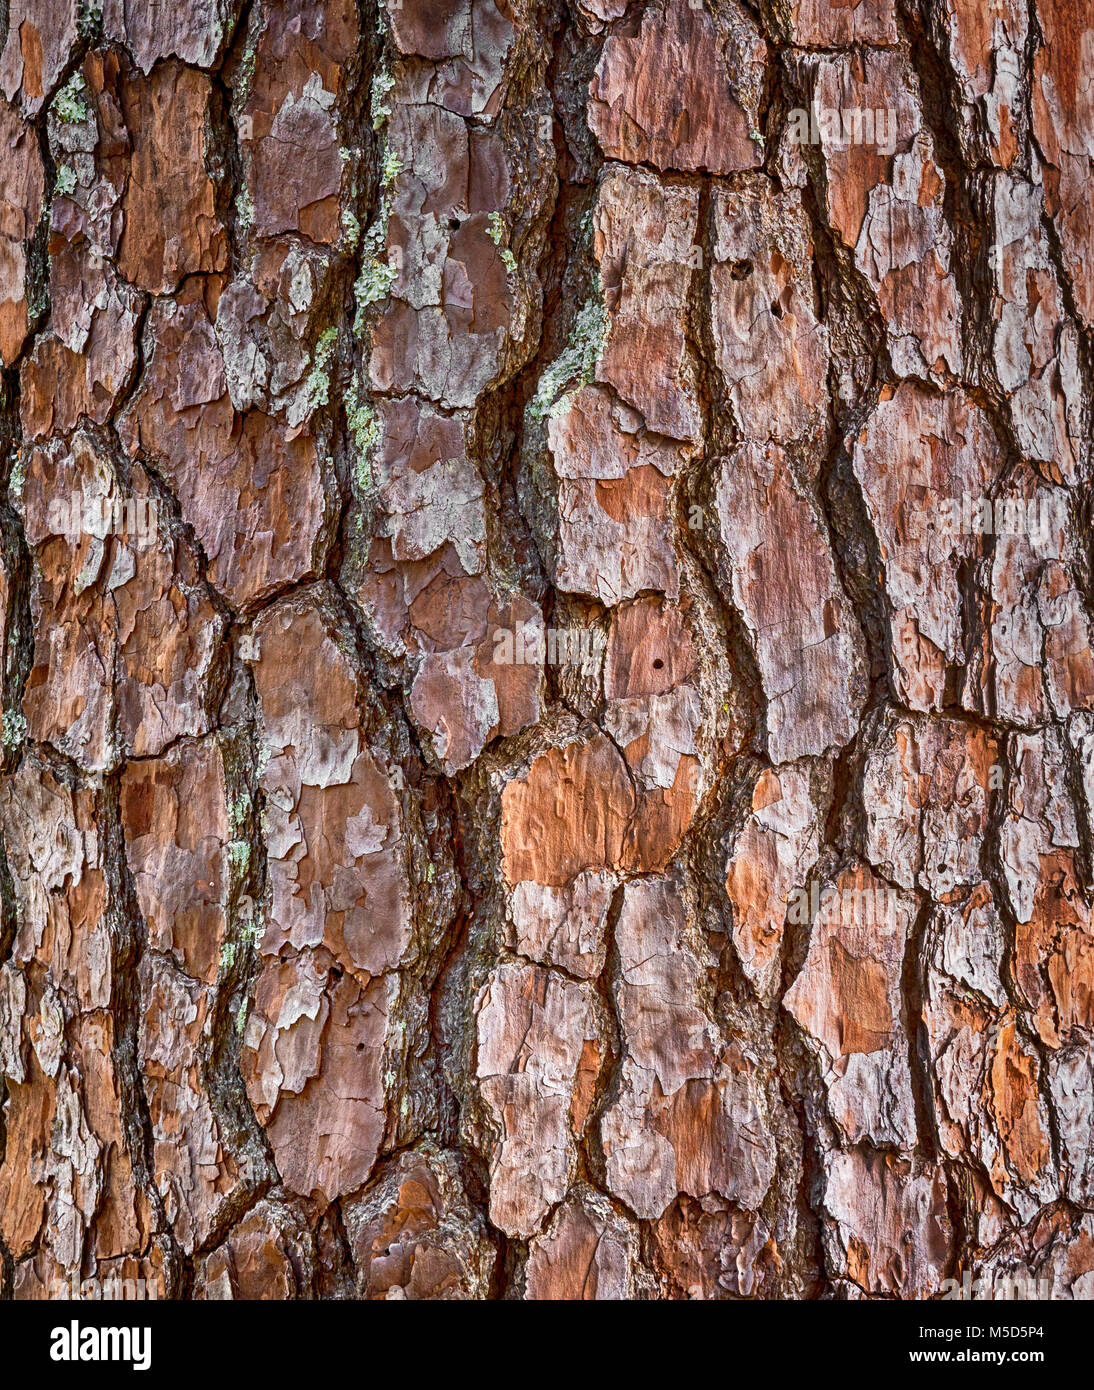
[[740, 270], [777, 309], [454, 224], [657, 665]]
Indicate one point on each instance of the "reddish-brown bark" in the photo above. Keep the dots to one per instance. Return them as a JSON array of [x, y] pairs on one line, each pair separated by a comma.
[[526, 773]]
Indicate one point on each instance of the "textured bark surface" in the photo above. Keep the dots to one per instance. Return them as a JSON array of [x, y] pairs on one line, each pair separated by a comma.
[[528, 792]]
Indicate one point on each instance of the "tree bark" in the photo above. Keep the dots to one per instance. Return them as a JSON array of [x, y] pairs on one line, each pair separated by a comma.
[[548, 706]]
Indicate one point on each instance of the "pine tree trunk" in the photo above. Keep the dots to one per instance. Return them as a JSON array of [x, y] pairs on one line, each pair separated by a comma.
[[548, 707]]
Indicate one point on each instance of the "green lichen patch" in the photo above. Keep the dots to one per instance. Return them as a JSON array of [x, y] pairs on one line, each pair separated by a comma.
[[364, 426], [577, 361], [351, 230], [17, 478], [499, 235], [89, 21], [373, 284], [14, 728], [382, 84], [245, 212], [317, 385], [68, 105], [239, 855]]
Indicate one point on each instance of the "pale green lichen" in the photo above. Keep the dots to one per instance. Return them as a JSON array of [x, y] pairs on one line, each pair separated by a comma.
[[496, 231], [37, 301], [373, 284], [262, 761], [239, 853], [14, 728], [364, 426], [577, 361], [245, 212], [392, 168], [382, 83], [244, 76], [66, 179], [68, 105], [250, 927], [351, 230], [377, 276], [317, 385], [17, 479], [89, 19]]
